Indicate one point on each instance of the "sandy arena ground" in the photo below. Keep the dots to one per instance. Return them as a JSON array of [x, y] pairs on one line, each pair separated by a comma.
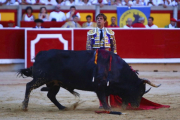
[[12, 91]]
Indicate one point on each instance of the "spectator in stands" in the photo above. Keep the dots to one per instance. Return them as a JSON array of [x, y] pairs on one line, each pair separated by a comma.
[[57, 15], [28, 16], [50, 2], [31, 2], [72, 24], [150, 23], [151, 3], [1, 26], [11, 24], [128, 23], [113, 22], [3, 2], [101, 3], [72, 12], [117, 3], [8, 2], [38, 23], [82, 2], [173, 3], [172, 23], [60, 2], [43, 14], [89, 23], [164, 3], [128, 3], [69, 3], [139, 24], [86, 2], [138, 3]]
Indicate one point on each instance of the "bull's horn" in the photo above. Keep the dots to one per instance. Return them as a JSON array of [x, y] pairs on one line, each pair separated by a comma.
[[148, 82], [147, 90]]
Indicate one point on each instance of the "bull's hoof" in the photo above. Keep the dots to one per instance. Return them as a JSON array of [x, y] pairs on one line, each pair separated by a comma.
[[62, 108], [24, 107], [100, 107], [124, 106]]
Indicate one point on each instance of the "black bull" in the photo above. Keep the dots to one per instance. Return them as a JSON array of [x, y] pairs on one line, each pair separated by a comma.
[[78, 70]]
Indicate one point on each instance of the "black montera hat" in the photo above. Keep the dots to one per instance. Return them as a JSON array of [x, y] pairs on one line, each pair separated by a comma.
[[38, 20]]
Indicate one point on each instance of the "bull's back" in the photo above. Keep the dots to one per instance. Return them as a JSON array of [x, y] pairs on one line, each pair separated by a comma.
[[65, 65]]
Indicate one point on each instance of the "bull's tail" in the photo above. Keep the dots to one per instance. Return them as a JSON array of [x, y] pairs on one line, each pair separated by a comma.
[[25, 72]]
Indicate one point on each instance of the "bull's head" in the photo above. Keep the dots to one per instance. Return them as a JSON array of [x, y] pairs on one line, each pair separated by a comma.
[[140, 91]]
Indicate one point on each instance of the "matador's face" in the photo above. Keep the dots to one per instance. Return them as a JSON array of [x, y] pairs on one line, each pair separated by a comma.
[[100, 21]]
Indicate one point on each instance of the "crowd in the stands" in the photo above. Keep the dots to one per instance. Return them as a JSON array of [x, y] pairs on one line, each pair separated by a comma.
[[129, 3]]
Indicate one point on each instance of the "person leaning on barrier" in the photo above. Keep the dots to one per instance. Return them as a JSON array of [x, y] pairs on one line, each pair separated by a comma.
[[69, 2], [49, 2], [60, 2], [138, 3], [28, 16], [72, 24], [128, 3], [57, 15], [128, 23], [164, 3], [86, 3], [151, 3], [150, 23], [89, 23], [9, 2]]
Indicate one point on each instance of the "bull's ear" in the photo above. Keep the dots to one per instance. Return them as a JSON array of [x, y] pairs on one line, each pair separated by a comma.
[[150, 83]]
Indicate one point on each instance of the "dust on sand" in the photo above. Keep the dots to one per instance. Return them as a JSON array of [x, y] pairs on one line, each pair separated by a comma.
[[12, 90]]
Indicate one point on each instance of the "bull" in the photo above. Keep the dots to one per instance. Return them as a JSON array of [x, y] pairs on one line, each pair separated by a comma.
[[102, 72]]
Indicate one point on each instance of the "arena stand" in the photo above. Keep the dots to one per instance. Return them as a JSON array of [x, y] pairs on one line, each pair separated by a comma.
[[144, 49]]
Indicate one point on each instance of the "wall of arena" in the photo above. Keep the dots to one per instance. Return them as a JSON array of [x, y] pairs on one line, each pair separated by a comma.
[[144, 49], [161, 15]]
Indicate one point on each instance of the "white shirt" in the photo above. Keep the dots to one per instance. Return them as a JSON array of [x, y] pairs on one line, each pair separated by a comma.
[[68, 15], [2, 1], [68, 3], [96, 2], [139, 4], [38, 27], [99, 30], [59, 16], [86, 4], [46, 2], [31, 1], [166, 3], [26, 18], [153, 26], [170, 26], [1, 26], [62, 3], [130, 2], [127, 26], [173, 3]]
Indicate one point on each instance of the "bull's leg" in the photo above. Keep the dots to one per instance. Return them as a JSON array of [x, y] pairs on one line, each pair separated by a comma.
[[29, 87], [102, 98], [52, 96]]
